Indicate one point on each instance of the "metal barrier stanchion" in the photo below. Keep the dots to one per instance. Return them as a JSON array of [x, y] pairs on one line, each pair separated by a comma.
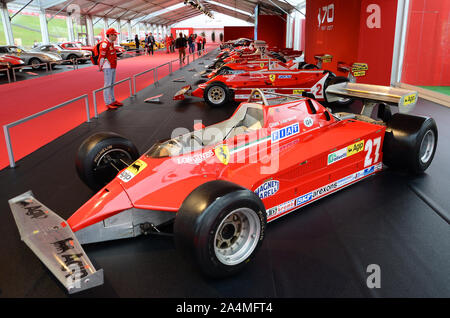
[[6, 128], [139, 74], [7, 74], [109, 86]]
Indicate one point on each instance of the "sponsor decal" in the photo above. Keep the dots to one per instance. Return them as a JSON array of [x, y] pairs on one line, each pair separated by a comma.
[[359, 67], [284, 76], [346, 152], [297, 91], [261, 64], [308, 121], [285, 132], [359, 73], [223, 154], [409, 99], [133, 170], [272, 77], [315, 194], [268, 189], [196, 159], [271, 212], [34, 212], [280, 122], [303, 199]]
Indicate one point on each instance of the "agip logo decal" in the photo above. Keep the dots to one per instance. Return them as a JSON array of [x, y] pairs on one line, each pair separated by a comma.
[[133, 170], [346, 152], [268, 189]]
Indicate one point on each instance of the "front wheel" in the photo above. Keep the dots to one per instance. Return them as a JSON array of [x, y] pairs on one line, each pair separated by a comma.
[[217, 94], [219, 227], [101, 157]]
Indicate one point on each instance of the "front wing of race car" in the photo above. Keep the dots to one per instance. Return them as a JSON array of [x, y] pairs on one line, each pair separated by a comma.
[[52, 240]]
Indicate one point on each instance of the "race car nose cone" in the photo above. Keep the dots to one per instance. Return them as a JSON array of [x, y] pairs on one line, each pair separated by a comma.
[[109, 201]]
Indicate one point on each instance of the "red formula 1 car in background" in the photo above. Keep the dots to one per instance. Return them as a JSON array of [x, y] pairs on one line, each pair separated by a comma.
[[225, 88], [216, 188]]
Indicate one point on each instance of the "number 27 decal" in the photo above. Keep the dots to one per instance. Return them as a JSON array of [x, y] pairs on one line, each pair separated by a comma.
[[372, 145]]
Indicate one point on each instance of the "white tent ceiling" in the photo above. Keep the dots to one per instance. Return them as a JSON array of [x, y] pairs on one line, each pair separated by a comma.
[[164, 12]]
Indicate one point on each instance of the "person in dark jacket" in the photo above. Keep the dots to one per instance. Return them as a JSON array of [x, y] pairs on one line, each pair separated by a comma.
[[180, 44], [151, 43], [191, 44], [136, 41]]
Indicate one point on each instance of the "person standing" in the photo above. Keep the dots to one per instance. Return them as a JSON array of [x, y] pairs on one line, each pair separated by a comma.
[[190, 44], [146, 44], [168, 44], [108, 64], [180, 44], [172, 44], [136, 41], [199, 44], [151, 43], [203, 42]]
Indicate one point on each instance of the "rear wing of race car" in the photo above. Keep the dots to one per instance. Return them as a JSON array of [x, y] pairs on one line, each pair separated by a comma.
[[54, 243], [323, 58], [372, 95]]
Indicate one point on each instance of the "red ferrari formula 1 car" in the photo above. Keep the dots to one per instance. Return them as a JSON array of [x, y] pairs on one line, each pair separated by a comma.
[[225, 88], [219, 186]]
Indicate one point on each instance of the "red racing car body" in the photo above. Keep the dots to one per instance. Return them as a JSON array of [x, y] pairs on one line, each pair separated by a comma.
[[219, 185], [223, 89]]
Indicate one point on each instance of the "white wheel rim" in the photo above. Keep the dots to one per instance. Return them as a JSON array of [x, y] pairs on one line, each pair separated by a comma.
[[216, 94], [427, 146], [237, 236]]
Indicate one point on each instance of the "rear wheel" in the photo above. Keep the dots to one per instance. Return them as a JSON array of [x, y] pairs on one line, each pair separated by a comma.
[[331, 80], [310, 67], [218, 64], [224, 70], [410, 142], [101, 157]]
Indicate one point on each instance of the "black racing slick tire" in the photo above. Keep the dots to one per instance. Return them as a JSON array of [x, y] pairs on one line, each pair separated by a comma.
[[223, 70], [310, 67], [101, 156], [219, 227], [331, 80], [410, 142], [218, 64], [217, 94]]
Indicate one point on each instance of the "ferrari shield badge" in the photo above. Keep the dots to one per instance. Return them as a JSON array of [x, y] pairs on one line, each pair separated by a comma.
[[272, 77], [222, 153]]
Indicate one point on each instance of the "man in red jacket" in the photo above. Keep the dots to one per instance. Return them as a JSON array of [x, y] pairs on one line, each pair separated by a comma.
[[107, 64]]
